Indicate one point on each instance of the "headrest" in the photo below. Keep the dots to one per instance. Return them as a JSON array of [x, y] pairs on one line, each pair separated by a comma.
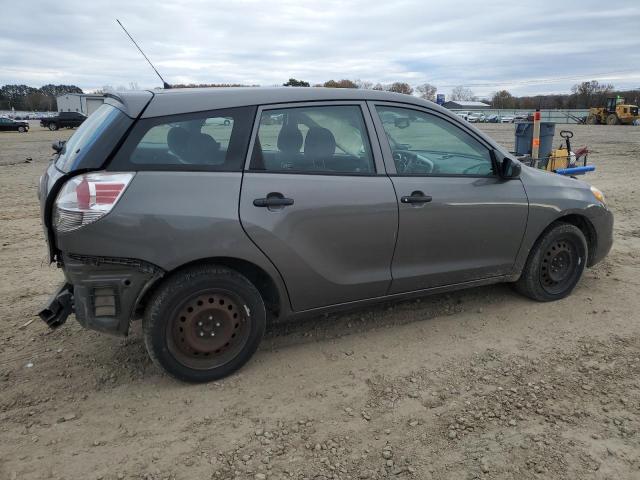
[[177, 139], [202, 149], [289, 138], [319, 143]]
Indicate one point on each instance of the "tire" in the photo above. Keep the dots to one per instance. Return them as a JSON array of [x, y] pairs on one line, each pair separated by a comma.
[[613, 119], [592, 120], [22, 129], [204, 323], [53, 126], [555, 264]]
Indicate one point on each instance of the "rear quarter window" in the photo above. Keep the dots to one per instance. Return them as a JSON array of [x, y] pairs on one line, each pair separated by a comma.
[[215, 140]]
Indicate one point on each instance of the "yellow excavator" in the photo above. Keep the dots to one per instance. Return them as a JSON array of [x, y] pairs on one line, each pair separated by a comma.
[[616, 112]]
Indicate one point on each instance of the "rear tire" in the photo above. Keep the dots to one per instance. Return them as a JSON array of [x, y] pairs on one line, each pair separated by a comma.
[[555, 264], [204, 323], [613, 119], [53, 126]]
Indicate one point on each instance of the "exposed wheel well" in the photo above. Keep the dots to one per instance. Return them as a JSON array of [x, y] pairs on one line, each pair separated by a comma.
[[587, 230], [256, 275]]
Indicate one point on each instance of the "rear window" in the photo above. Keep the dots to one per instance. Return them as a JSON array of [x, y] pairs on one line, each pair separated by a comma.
[[84, 138], [214, 140]]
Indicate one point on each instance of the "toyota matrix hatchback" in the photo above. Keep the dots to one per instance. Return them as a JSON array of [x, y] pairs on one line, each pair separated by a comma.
[[209, 212]]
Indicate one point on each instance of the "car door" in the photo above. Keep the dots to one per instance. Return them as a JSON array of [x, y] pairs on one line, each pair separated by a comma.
[[458, 221], [317, 201]]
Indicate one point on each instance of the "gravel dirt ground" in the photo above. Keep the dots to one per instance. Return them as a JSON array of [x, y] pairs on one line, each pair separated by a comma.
[[481, 383]]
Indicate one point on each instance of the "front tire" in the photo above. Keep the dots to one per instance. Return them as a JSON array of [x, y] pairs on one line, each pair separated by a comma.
[[613, 119], [22, 129], [555, 264], [53, 127], [204, 323]]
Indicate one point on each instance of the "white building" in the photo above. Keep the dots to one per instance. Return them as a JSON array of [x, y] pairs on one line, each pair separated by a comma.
[[79, 102]]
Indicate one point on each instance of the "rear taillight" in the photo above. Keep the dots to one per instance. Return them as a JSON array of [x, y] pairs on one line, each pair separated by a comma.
[[87, 198]]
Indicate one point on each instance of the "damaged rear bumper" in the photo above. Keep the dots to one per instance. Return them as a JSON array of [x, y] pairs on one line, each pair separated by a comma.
[[59, 307], [103, 292]]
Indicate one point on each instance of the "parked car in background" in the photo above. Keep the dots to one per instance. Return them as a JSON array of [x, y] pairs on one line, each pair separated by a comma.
[[463, 115], [7, 124], [476, 117], [308, 200], [63, 120], [507, 119], [493, 119]]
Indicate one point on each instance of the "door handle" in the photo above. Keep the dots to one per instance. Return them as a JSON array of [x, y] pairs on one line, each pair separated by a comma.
[[416, 197], [273, 200]]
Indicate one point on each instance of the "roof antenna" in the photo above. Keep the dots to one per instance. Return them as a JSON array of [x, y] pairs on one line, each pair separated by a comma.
[[165, 84]]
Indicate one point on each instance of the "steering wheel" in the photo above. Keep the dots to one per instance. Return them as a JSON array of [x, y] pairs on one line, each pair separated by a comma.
[[410, 162]]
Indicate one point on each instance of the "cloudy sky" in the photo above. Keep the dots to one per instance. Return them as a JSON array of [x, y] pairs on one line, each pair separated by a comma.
[[525, 46]]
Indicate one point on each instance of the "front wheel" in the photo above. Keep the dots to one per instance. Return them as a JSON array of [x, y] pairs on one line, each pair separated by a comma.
[[204, 323], [555, 264], [22, 129], [53, 126], [613, 119]]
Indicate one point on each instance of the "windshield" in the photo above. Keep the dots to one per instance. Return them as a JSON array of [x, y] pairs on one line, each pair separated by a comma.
[[90, 130]]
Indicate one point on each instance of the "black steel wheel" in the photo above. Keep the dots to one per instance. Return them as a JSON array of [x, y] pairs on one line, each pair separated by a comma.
[[560, 263], [208, 329], [555, 263], [204, 323]]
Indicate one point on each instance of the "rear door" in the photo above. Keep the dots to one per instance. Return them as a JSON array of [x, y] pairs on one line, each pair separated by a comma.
[[458, 221], [316, 200]]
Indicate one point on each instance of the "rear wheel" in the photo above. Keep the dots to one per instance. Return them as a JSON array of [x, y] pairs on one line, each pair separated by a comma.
[[613, 119], [555, 264], [53, 126], [204, 323]]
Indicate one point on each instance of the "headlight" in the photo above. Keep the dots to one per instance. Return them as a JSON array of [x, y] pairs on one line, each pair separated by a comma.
[[599, 195]]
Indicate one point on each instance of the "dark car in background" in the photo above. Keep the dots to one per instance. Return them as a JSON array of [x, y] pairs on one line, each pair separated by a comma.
[[63, 120], [210, 212], [7, 124]]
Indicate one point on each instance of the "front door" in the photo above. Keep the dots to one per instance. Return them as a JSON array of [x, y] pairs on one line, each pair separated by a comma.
[[458, 221], [315, 199]]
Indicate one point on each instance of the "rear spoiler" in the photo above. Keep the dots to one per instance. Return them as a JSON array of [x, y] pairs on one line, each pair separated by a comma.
[[131, 103]]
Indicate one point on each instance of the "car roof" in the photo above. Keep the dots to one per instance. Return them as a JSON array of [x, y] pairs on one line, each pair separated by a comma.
[[187, 100]]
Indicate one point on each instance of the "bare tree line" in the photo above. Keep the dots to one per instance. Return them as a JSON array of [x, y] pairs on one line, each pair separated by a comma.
[[583, 95]]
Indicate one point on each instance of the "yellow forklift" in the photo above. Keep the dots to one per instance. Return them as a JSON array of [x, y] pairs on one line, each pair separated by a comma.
[[616, 112]]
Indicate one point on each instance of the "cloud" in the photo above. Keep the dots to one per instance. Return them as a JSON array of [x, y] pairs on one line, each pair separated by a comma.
[[488, 45]]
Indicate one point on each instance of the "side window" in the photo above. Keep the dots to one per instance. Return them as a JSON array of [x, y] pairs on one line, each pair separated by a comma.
[[214, 140], [324, 139], [424, 144]]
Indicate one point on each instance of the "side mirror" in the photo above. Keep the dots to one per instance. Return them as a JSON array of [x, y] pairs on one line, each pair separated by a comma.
[[507, 168], [58, 145]]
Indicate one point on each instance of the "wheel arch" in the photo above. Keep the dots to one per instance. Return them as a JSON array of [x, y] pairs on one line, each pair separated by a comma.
[[587, 229], [274, 298]]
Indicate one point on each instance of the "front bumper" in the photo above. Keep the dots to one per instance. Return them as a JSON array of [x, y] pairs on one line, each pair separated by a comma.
[[603, 225], [105, 291]]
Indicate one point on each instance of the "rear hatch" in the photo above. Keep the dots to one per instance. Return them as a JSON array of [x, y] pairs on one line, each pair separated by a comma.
[[89, 148]]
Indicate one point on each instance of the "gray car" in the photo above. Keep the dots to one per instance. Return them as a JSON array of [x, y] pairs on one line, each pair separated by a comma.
[[210, 212]]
